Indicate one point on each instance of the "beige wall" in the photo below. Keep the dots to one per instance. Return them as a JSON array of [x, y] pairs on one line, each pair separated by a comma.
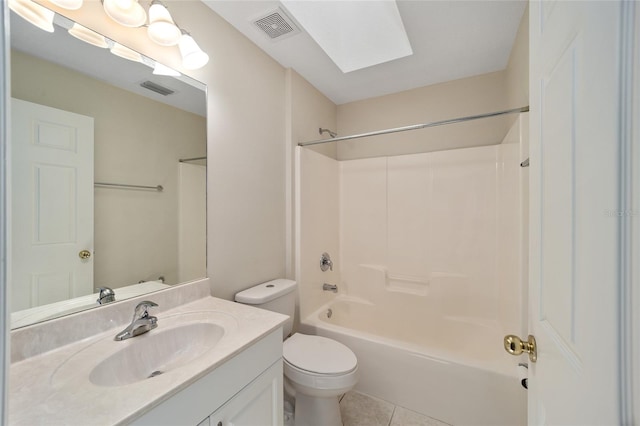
[[458, 98], [136, 232], [246, 141], [517, 72]]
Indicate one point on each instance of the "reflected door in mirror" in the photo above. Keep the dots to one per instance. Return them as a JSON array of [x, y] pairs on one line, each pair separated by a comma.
[[52, 205]]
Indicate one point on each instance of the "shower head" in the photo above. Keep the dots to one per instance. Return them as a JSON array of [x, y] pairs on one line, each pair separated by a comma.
[[332, 134]]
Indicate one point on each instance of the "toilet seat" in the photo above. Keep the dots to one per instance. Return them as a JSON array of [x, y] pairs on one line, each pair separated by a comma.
[[318, 356]]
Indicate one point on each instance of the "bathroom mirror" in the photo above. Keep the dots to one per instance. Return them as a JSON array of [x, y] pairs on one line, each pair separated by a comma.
[[108, 173]]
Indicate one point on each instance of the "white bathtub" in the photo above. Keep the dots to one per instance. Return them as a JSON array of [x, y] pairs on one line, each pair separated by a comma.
[[450, 368]]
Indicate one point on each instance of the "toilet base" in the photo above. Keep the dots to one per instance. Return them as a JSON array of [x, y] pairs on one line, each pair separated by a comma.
[[317, 411]]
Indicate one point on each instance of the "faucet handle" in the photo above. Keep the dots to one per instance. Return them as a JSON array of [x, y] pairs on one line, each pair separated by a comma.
[[106, 295], [326, 262], [142, 309]]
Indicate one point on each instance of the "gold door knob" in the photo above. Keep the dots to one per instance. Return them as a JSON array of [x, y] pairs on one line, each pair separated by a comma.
[[84, 254], [516, 346]]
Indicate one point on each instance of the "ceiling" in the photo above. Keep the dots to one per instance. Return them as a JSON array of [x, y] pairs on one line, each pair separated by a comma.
[[450, 40]]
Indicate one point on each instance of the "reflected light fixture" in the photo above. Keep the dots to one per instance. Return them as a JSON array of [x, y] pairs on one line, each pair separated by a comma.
[[192, 56], [162, 30], [68, 4], [88, 36], [39, 16], [126, 53], [125, 12], [160, 69]]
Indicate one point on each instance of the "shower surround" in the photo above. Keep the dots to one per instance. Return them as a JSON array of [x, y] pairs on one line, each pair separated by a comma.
[[428, 256]]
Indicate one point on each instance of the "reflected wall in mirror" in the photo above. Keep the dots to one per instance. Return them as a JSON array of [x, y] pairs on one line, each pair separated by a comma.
[[100, 196]]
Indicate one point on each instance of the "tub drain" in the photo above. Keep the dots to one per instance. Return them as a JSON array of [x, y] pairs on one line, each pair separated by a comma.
[[155, 373]]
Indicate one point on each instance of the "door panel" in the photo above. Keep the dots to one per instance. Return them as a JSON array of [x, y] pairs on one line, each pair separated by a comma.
[[51, 204], [574, 180]]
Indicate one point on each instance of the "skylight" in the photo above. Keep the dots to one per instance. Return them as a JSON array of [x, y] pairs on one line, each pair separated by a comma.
[[354, 34]]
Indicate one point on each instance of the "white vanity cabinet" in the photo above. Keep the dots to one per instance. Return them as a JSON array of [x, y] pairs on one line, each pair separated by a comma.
[[245, 390], [260, 403]]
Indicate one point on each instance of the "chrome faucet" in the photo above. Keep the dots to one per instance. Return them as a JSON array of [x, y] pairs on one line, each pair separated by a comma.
[[107, 295], [141, 322], [330, 287]]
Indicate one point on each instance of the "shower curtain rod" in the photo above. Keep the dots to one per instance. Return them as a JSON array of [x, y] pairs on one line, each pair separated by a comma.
[[417, 126]]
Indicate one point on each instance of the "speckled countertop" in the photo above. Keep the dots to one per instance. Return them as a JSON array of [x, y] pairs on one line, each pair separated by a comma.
[[54, 387]]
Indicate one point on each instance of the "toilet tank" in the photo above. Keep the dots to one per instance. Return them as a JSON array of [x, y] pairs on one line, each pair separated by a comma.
[[277, 296]]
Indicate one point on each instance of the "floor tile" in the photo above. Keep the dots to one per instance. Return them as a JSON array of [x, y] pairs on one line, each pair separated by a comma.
[[362, 410], [404, 417]]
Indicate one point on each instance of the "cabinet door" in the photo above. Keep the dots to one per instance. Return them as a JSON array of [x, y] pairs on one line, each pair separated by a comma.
[[259, 403]]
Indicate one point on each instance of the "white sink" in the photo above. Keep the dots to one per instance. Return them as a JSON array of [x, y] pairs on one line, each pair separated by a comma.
[[180, 340], [155, 353]]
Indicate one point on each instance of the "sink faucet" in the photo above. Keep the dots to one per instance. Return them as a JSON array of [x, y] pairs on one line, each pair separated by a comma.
[[107, 295], [141, 322]]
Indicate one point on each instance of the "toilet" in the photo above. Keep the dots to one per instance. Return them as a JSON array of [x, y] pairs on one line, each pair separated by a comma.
[[317, 370]]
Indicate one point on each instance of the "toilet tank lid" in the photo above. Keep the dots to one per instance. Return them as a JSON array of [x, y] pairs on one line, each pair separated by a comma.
[[266, 292]]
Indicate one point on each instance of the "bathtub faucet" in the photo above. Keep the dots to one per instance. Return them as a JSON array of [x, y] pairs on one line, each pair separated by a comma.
[[330, 287]]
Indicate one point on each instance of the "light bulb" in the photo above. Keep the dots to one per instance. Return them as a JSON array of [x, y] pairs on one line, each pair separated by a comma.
[[68, 4], [162, 30], [88, 36], [192, 56], [125, 12], [126, 53], [160, 69], [39, 16]]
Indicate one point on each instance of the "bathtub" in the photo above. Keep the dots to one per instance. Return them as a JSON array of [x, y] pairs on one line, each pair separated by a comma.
[[451, 368]]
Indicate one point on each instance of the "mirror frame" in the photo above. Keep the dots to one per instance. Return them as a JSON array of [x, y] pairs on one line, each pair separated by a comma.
[[5, 91]]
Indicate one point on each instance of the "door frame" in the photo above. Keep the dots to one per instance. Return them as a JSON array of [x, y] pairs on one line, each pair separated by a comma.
[[629, 215], [5, 92]]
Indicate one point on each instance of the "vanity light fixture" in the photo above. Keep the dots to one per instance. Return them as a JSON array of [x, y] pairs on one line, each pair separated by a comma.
[[192, 56], [126, 53], [68, 4], [162, 29], [88, 36], [125, 12], [38, 15]]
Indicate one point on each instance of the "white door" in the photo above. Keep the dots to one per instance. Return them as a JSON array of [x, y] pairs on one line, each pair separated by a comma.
[[51, 204], [574, 283]]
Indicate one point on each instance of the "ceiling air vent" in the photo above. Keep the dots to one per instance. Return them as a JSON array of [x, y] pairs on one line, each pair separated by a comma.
[[155, 87], [276, 25]]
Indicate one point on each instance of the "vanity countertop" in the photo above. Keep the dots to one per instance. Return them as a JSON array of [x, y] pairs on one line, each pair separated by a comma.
[[54, 387]]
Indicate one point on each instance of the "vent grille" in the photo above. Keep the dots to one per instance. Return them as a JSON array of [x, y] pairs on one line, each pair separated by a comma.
[[276, 24], [155, 87]]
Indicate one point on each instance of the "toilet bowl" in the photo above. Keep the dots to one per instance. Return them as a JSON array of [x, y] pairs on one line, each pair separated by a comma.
[[317, 370]]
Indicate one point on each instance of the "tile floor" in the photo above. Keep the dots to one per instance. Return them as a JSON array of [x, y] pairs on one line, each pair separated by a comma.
[[358, 409]]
